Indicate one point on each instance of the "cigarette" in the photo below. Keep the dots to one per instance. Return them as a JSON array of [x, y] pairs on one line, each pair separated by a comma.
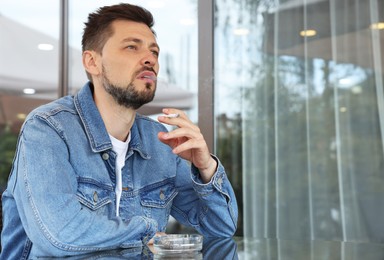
[[172, 115]]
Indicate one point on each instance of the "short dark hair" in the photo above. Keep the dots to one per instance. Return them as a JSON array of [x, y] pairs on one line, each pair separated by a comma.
[[98, 28]]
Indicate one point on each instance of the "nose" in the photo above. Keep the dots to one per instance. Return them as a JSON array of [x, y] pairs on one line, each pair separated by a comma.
[[149, 59]]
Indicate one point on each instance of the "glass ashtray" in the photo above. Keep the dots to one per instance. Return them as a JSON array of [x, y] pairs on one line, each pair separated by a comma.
[[178, 243]]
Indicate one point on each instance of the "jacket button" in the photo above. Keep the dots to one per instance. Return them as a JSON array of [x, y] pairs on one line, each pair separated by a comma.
[[95, 197], [105, 156], [220, 181], [162, 196]]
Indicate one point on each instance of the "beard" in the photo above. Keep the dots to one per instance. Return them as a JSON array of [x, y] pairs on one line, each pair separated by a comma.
[[128, 96]]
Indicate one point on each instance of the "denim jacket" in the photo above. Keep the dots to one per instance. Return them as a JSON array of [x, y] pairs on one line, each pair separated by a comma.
[[60, 197]]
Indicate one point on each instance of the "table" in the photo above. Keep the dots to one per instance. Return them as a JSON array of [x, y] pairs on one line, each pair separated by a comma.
[[257, 249]]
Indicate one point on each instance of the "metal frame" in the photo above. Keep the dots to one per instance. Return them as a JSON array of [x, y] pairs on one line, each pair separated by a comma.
[[63, 50], [206, 71]]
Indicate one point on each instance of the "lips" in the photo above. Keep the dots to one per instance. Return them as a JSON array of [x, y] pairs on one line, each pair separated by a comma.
[[147, 75]]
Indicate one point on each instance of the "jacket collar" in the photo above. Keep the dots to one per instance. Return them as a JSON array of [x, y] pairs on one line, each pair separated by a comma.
[[94, 125], [136, 143]]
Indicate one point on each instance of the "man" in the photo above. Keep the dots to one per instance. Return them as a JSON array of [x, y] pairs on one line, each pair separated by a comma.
[[90, 174]]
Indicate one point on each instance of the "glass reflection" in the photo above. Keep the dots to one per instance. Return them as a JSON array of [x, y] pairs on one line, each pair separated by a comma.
[[271, 249], [28, 67], [300, 117]]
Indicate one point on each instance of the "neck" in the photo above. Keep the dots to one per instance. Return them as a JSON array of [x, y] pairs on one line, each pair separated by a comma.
[[117, 119]]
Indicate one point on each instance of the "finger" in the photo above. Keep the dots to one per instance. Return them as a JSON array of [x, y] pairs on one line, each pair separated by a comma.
[[180, 123], [168, 111], [172, 115], [174, 111], [156, 235], [197, 151], [187, 145], [163, 138], [169, 120], [185, 140], [173, 142], [182, 132]]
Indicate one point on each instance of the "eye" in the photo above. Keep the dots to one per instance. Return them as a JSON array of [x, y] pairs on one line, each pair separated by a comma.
[[155, 53], [131, 47]]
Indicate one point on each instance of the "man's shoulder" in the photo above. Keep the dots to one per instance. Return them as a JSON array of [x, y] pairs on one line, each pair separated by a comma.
[[64, 104], [147, 127]]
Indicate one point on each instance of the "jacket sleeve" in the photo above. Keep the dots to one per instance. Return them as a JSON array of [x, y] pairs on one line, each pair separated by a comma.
[[209, 208], [45, 191]]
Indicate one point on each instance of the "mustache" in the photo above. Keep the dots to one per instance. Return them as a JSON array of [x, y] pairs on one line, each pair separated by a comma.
[[145, 68]]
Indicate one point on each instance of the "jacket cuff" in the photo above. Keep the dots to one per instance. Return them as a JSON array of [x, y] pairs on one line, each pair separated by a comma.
[[216, 182], [151, 228]]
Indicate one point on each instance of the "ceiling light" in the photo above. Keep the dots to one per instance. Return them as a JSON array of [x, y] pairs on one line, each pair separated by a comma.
[[241, 31], [346, 81], [29, 91], [45, 47], [21, 116], [349, 81], [377, 26], [356, 89], [308, 33]]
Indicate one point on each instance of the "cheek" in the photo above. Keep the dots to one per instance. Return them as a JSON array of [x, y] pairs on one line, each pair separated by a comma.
[[119, 69], [157, 67]]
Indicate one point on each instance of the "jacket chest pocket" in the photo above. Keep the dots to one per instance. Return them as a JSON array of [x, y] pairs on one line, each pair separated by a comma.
[[94, 197], [156, 202]]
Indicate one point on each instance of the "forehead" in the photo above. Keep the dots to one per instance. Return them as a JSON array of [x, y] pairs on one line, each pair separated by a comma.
[[123, 29]]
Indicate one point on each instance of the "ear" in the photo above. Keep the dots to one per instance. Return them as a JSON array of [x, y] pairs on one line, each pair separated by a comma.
[[90, 62]]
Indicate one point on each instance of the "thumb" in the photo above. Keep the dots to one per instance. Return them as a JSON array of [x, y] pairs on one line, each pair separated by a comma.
[[161, 136]]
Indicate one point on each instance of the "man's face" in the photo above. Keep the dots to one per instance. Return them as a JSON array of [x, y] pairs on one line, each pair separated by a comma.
[[130, 64]]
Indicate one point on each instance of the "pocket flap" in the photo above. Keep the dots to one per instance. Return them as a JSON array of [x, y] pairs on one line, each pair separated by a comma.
[[93, 196], [158, 196]]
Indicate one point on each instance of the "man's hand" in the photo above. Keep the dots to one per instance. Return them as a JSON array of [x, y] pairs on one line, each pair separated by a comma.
[[150, 242], [188, 142]]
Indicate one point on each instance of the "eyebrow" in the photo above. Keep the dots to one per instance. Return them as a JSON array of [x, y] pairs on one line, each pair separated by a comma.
[[136, 40]]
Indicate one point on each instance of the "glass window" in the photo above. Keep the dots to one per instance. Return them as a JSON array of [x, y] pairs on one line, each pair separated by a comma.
[[28, 67], [299, 114]]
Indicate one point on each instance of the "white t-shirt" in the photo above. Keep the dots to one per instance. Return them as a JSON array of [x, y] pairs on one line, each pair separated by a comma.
[[120, 148]]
